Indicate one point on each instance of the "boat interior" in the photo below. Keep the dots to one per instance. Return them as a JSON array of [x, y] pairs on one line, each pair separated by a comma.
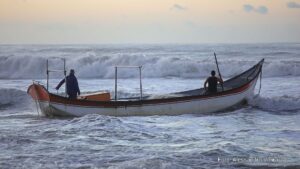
[[228, 84]]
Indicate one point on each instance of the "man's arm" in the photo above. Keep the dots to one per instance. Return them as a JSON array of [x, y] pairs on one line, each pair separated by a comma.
[[205, 83], [77, 86], [60, 83], [221, 83]]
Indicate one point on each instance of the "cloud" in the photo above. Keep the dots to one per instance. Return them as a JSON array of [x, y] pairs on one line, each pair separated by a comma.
[[191, 24], [178, 7], [293, 5], [248, 8], [261, 9]]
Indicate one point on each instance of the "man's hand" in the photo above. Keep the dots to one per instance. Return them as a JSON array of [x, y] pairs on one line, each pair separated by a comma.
[[220, 80]]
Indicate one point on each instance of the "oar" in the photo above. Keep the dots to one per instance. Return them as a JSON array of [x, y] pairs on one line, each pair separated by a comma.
[[219, 70]]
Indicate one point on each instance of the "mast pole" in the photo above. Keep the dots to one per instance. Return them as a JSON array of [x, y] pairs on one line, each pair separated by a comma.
[[65, 74], [47, 66], [219, 70], [141, 87], [116, 81]]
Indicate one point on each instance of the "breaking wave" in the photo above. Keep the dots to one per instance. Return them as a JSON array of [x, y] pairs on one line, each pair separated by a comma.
[[13, 97], [280, 103], [184, 61], [91, 66]]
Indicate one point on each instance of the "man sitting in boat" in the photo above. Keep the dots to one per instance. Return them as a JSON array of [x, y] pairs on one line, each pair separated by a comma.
[[212, 82], [72, 85]]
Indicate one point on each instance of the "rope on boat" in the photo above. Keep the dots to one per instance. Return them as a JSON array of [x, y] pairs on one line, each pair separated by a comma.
[[36, 103], [37, 108], [260, 80]]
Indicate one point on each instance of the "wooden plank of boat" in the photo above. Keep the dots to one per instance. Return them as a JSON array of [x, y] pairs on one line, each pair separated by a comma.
[[96, 96], [236, 90]]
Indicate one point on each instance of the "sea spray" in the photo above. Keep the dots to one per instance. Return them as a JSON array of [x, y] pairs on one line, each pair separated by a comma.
[[276, 103], [158, 61], [16, 67], [13, 96]]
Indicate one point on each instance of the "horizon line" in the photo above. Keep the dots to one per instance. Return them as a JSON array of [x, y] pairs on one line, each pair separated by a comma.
[[157, 43]]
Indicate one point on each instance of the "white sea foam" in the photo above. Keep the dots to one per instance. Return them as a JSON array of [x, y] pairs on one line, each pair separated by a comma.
[[15, 67], [13, 97], [29, 62], [279, 103]]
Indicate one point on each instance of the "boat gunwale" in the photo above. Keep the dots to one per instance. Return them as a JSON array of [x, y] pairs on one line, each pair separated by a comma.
[[147, 104]]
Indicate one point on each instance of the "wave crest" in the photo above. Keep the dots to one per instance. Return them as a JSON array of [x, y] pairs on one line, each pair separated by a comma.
[[280, 103], [93, 66], [13, 97]]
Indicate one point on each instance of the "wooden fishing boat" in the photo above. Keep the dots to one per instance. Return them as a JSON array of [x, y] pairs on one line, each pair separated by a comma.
[[234, 91]]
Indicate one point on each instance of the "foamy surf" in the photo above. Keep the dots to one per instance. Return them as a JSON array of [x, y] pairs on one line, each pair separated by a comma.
[[14, 97], [278, 103], [157, 62]]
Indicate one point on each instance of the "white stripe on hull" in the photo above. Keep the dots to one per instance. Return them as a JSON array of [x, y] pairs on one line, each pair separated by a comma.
[[206, 105]]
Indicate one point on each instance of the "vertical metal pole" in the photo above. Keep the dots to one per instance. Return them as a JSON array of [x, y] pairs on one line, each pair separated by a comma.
[[47, 66], [141, 87], [116, 77], [65, 74]]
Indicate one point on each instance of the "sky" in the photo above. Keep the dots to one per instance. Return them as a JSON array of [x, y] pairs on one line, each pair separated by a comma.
[[148, 21]]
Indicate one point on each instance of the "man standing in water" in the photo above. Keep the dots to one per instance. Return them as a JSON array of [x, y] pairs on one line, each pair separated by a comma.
[[72, 85], [212, 83]]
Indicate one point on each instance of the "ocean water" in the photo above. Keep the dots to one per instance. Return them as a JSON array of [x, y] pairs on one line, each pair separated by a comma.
[[265, 133]]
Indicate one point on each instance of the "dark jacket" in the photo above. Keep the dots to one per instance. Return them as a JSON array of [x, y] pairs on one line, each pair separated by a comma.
[[72, 86], [212, 84]]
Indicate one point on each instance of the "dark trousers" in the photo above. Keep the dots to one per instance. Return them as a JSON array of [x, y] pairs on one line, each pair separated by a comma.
[[210, 92], [72, 96]]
